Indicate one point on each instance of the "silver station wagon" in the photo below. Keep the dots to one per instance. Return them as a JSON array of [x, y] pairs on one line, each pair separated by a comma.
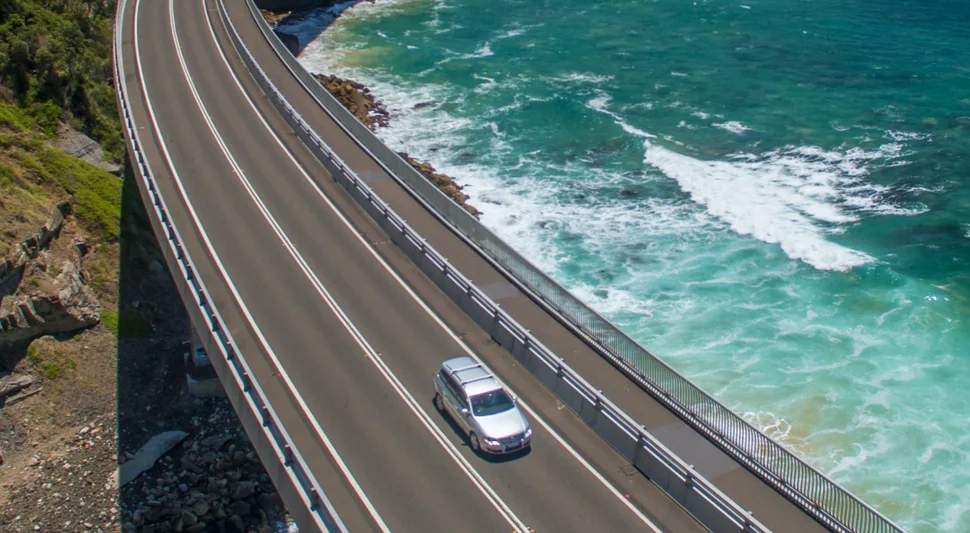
[[484, 410]]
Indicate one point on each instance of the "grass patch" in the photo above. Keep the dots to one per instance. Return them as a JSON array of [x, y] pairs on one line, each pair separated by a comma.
[[125, 325], [96, 193], [102, 270], [52, 370], [15, 117], [32, 355]]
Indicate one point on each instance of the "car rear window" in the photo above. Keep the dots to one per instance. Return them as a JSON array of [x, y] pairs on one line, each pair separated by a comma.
[[491, 403]]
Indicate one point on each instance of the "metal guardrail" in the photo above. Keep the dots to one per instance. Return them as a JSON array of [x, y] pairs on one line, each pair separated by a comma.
[[695, 493], [295, 467], [815, 493]]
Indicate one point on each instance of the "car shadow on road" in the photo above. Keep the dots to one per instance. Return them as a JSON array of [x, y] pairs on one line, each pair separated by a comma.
[[487, 457]]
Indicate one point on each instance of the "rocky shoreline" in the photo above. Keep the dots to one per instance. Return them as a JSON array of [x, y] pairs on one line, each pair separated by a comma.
[[446, 183], [359, 100]]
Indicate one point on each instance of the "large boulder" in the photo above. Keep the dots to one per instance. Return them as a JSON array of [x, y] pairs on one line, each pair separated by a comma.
[[62, 305], [70, 307], [83, 147]]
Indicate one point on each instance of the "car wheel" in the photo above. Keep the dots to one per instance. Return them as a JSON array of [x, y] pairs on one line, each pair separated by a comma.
[[474, 444], [439, 403]]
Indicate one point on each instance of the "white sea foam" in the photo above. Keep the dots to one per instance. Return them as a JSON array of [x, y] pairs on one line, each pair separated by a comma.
[[732, 126], [907, 136], [791, 197], [582, 77], [484, 50]]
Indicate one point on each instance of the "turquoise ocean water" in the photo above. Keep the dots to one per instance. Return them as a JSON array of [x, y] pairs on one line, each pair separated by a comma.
[[774, 197]]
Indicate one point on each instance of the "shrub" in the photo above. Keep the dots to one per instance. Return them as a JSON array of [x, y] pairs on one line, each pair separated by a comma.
[[52, 370]]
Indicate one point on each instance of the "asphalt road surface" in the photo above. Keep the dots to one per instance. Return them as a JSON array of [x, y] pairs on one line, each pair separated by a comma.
[[317, 298]]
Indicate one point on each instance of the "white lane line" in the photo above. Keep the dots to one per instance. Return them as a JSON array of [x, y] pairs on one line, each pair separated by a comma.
[[222, 270], [465, 347], [413, 404]]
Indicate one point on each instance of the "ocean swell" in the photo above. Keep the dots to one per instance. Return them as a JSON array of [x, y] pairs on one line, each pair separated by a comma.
[[790, 197]]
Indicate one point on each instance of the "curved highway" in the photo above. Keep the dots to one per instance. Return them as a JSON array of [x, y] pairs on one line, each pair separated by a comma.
[[319, 301]]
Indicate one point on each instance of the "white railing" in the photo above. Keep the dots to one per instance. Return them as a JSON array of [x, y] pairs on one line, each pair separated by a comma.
[[295, 468], [696, 494]]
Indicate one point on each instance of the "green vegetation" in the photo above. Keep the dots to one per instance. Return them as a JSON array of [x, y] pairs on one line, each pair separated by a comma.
[[52, 370], [32, 354], [102, 267], [15, 117], [56, 67], [96, 193], [125, 325], [55, 60]]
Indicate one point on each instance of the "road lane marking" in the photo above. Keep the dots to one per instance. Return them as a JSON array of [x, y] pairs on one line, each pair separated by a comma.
[[423, 417], [222, 270], [465, 347]]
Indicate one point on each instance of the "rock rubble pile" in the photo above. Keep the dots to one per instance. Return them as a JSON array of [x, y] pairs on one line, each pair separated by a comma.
[[217, 484]]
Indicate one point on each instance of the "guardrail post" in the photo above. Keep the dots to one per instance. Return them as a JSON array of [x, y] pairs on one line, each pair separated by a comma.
[[314, 499], [640, 441], [287, 455]]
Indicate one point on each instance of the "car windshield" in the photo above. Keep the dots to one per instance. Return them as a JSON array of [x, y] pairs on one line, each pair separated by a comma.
[[491, 403]]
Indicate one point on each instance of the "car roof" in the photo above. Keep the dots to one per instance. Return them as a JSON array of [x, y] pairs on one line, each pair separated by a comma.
[[475, 378]]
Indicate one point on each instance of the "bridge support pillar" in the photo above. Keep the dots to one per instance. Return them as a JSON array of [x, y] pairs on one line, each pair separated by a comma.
[[199, 373]]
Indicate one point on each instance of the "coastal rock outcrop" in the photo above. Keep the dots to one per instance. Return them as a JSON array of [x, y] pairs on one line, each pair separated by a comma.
[[446, 183], [357, 99], [274, 18], [59, 301]]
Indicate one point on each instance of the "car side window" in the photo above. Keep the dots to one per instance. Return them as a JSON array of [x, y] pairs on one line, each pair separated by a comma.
[[453, 387]]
